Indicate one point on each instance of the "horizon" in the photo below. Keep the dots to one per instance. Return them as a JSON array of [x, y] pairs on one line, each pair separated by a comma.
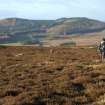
[[52, 9], [48, 19]]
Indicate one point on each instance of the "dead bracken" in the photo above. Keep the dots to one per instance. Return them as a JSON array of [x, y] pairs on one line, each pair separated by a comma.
[[51, 76]]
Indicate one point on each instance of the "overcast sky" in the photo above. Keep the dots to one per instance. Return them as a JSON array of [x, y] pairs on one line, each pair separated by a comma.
[[52, 9]]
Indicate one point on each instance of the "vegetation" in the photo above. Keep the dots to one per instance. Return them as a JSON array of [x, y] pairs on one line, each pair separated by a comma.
[[76, 25], [14, 30], [71, 43], [17, 25], [51, 76]]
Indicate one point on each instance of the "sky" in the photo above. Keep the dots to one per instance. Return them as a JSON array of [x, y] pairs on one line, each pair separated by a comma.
[[52, 9]]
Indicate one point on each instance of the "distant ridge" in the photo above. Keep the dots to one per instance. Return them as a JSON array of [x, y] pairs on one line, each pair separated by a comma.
[[18, 25], [19, 30], [59, 26], [76, 25]]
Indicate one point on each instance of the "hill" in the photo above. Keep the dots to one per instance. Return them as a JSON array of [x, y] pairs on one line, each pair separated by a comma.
[[69, 26], [24, 31], [51, 76], [59, 26], [18, 25], [17, 30]]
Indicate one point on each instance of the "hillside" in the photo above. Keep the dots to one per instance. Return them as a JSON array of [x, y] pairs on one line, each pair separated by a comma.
[[59, 26], [88, 38], [18, 25], [51, 76], [76, 25], [24, 31]]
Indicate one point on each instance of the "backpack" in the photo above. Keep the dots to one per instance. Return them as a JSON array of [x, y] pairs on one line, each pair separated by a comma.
[[103, 45]]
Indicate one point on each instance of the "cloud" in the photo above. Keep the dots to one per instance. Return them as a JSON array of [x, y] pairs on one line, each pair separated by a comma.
[[52, 9]]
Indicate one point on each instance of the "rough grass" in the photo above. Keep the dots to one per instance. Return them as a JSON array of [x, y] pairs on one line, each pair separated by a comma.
[[51, 76]]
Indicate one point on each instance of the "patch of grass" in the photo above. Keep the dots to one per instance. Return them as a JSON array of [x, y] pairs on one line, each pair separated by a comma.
[[80, 66]]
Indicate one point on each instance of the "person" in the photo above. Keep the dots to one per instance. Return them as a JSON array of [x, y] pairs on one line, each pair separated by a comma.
[[102, 48]]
